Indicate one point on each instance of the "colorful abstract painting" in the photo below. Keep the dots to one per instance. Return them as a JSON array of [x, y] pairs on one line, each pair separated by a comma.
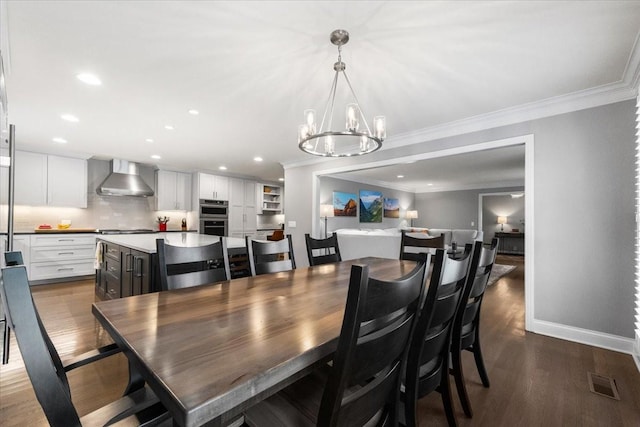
[[344, 204], [371, 206], [391, 208]]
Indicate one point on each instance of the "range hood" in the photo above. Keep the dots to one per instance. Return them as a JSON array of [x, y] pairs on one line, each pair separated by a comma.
[[124, 181]]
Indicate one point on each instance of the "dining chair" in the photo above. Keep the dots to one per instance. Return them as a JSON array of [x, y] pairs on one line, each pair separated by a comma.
[[466, 325], [276, 235], [11, 259], [362, 386], [48, 374], [410, 246], [270, 257], [329, 250], [428, 358], [183, 267]]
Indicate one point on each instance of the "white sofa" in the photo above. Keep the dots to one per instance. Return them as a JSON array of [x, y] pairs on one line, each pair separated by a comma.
[[385, 243]]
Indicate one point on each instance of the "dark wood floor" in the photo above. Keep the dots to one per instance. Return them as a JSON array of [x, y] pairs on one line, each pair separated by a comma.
[[535, 380]]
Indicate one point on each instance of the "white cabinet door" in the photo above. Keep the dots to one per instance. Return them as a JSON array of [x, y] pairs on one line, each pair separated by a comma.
[[66, 182], [183, 191], [31, 179], [236, 206], [166, 189], [213, 187]]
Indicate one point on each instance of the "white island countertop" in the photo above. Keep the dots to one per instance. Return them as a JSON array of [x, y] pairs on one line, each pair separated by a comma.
[[147, 242]]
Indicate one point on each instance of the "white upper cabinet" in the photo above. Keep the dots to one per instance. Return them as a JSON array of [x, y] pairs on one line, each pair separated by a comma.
[[213, 187], [66, 182], [31, 179], [242, 208], [173, 191], [43, 180]]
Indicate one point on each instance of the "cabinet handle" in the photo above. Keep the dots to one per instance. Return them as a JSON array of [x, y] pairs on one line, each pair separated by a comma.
[[138, 261], [65, 268], [65, 253], [66, 240], [128, 267]]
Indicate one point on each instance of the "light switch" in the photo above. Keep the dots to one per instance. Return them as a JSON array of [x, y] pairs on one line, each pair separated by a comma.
[[291, 224]]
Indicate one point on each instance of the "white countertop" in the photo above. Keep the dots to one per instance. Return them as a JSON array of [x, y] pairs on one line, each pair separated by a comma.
[[147, 242]]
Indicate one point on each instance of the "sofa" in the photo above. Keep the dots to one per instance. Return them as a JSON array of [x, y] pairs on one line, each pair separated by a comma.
[[385, 243]]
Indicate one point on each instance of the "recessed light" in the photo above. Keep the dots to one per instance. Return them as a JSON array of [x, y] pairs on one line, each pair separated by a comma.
[[194, 112], [168, 127], [69, 118], [148, 140], [257, 159], [155, 156], [59, 140], [400, 176], [281, 179], [429, 184], [89, 79], [223, 168]]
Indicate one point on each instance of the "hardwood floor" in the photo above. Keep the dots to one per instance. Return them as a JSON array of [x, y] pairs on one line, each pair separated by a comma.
[[535, 380]]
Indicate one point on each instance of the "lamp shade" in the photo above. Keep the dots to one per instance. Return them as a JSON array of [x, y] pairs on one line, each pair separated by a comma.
[[412, 214], [326, 211], [502, 220]]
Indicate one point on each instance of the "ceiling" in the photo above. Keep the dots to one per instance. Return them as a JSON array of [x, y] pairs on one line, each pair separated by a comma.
[[251, 68]]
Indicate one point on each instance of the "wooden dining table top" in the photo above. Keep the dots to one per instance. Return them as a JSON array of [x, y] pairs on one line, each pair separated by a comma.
[[211, 351]]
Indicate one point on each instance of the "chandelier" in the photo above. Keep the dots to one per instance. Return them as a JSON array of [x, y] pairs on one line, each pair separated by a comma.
[[357, 138]]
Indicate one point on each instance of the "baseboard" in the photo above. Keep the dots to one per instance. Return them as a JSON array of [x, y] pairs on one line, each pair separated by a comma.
[[584, 336], [636, 358]]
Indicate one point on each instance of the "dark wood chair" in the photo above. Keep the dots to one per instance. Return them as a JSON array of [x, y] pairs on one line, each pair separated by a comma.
[[362, 386], [10, 259], [183, 267], [270, 257], [466, 326], [48, 373], [428, 359], [328, 248], [276, 235], [410, 246]]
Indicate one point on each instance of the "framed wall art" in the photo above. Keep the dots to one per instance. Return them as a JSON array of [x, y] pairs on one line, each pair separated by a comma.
[[391, 208], [344, 204], [371, 206]]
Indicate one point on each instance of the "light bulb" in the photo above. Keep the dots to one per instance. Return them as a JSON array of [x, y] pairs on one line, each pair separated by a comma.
[[329, 145], [353, 113], [364, 142], [310, 119], [380, 126], [303, 132]]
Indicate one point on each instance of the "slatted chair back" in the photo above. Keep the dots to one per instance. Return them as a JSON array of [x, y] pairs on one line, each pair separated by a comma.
[[41, 359], [428, 359], [270, 257], [363, 386], [13, 258], [466, 326], [183, 267], [410, 246], [327, 250]]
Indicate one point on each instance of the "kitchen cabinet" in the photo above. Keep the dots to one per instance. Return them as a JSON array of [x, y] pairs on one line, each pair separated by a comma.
[[124, 272], [20, 243], [242, 208], [66, 182], [269, 199], [44, 180], [173, 191], [56, 256], [212, 187]]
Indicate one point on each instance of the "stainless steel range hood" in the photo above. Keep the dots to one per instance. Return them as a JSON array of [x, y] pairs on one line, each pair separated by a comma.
[[124, 181]]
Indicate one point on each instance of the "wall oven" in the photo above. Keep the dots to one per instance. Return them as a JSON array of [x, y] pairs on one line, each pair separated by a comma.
[[214, 217]]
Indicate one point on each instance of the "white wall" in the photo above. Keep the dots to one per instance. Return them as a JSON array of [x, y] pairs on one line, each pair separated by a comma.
[[583, 171]]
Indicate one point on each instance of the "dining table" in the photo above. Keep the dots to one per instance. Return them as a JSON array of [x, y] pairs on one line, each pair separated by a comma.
[[210, 352]]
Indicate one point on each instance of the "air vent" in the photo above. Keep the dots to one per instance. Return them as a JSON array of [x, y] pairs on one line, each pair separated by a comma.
[[604, 386]]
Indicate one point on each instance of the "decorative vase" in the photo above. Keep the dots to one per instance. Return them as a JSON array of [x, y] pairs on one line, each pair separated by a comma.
[[162, 226]]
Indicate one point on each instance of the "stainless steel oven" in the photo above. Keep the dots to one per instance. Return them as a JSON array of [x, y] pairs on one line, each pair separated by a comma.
[[214, 217]]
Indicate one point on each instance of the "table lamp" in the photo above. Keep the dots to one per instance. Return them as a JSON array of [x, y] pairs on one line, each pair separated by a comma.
[[502, 220], [326, 211], [411, 215]]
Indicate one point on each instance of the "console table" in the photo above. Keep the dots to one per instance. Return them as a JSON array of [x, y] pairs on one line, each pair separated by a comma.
[[510, 243]]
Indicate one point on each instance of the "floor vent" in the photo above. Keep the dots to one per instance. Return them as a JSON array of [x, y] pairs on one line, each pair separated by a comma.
[[604, 386]]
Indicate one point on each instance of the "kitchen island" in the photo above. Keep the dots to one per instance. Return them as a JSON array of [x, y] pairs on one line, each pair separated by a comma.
[[129, 266]]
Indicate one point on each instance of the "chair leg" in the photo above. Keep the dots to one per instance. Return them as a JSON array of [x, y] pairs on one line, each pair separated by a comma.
[[445, 392], [458, 375], [477, 355], [5, 343], [410, 404]]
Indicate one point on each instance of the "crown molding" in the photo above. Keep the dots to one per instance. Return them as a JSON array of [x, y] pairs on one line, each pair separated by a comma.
[[632, 70]]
